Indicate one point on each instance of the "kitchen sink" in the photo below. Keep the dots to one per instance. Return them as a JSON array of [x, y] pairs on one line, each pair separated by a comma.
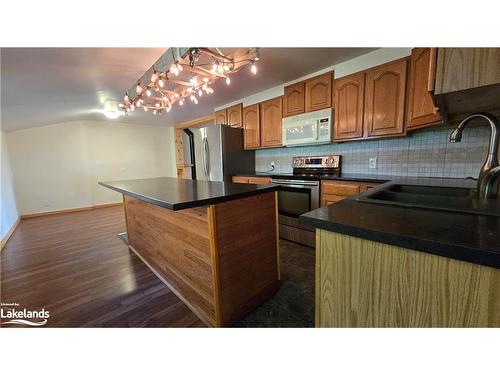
[[456, 199]]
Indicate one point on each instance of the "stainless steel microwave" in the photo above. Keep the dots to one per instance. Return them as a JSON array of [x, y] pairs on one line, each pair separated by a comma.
[[307, 129]]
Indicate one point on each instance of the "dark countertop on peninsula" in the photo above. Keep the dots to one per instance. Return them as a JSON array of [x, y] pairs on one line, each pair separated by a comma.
[[468, 237], [177, 194], [342, 177]]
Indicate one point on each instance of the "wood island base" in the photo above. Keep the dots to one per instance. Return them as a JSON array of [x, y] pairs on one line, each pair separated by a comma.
[[220, 259]]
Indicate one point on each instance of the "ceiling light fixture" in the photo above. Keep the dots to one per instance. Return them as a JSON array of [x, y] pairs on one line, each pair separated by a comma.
[[173, 79]]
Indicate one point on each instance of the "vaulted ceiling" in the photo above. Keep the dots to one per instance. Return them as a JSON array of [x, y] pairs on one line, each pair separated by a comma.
[[41, 86]]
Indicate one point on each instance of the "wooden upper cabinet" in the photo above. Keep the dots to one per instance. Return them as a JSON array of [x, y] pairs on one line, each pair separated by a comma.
[[221, 117], [251, 126], [466, 68], [349, 102], [385, 99], [421, 109], [271, 113], [235, 115], [294, 99], [318, 92]]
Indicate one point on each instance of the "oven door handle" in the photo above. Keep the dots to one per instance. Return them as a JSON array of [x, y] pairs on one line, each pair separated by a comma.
[[295, 182]]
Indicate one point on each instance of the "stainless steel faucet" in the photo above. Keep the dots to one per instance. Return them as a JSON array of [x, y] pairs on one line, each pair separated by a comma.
[[488, 183]]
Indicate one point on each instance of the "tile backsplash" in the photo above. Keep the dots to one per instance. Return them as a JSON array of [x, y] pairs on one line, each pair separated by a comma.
[[424, 153]]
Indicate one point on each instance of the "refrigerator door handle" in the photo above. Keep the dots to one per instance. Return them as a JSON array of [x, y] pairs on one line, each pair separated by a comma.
[[206, 157]]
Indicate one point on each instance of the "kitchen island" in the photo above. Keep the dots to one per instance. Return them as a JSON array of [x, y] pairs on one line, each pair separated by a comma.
[[214, 244], [388, 266]]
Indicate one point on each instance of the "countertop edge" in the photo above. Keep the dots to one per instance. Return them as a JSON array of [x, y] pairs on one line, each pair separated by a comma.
[[194, 203], [452, 251]]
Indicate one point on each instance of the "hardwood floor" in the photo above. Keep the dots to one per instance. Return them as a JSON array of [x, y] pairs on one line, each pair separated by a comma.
[[76, 267]]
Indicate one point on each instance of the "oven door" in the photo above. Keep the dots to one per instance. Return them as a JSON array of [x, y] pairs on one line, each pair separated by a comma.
[[297, 197]]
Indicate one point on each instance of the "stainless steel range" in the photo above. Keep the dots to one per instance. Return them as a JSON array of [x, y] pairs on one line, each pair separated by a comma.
[[300, 193]]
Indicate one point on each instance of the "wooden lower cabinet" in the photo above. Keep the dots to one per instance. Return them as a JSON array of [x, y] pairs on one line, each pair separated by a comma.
[[251, 180], [362, 283], [333, 191]]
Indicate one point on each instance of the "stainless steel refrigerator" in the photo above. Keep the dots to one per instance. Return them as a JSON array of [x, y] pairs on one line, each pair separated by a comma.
[[216, 152]]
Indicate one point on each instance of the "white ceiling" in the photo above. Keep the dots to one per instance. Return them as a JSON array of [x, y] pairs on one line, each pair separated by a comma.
[[43, 86]]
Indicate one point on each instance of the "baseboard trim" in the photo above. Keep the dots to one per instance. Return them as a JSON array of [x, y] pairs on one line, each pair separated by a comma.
[[47, 213], [4, 240]]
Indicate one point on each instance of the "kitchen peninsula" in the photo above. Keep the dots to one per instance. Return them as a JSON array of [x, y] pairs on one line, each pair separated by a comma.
[[214, 244]]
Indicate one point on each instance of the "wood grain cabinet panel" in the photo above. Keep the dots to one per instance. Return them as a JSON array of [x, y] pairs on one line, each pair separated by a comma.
[[235, 116], [251, 126], [240, 180], [259, 180], [349, 107], [385, 99], [466, 68], [294, 99], [318, 93], [271, 113], [221, 117], [421, 109]]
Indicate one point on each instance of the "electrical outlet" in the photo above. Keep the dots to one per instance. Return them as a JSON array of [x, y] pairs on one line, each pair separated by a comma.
[[46, 203], [372, 163], [273, 165]]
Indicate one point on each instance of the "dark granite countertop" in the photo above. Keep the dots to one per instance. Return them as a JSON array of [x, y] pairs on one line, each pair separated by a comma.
[[177, 194], [342, 177], [468, 237]]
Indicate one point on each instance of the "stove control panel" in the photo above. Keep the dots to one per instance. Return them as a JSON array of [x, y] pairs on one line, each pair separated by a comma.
[[326, 161]]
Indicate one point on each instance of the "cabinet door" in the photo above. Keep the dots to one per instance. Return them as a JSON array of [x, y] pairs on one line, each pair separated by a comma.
[[319, 92], [421, 109], [240, 180], [221, 117], [259, 180], [349, 103], [466, 68], [234, 116], [251, 125], [270, 122], [385, 99], [294, 99]]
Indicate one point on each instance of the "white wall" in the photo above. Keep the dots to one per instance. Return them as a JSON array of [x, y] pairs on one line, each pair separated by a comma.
[[58, 166], [369, 60], [8, 209]]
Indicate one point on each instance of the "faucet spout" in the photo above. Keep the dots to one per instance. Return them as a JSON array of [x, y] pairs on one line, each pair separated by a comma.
[[489, 177]]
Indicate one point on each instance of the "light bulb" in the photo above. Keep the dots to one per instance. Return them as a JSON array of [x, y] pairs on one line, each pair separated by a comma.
[[205, 79], [138, 88], [168, 109], [120, 105], [148, 92], [145, 109], [181, 102], [161, 83], [214, 67], [138, 104], [195, 100], [132, 107], [200, 93], [254, 68], [194, 81], [228, 81], [157, 104], [226, 68], [192, 98], [174, 70], [154, 77], [189, 89], [155, 111], [205, 86], [176, 95]]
